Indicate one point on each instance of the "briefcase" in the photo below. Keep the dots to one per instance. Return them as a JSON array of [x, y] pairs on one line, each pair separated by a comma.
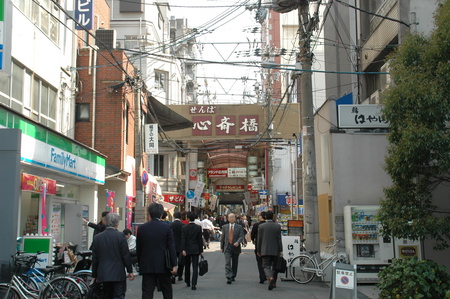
[[281, 265], [202, 266], [95, 291]]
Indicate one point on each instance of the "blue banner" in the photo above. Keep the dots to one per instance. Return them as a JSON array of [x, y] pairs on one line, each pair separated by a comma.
[[84, 14]]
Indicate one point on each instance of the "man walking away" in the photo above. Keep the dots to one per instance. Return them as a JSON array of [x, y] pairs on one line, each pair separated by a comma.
[[192, 247], [177, 226], [152, 240], [254, 237], [269, 247], [207, 227], [230, 244], [110, 258]]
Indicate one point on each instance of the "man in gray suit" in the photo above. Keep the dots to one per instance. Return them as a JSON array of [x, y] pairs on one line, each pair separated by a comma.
[[110, 259], [230, 244], [269, 247]]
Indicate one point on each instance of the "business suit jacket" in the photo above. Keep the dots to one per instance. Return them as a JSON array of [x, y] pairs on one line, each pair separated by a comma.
[[238, 237], [269, 239], [177, 226], [254, 233], [110, 256], [153, 237], [191, 240]]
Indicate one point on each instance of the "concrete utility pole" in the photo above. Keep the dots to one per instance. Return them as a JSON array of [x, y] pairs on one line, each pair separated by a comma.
[[304, 58]]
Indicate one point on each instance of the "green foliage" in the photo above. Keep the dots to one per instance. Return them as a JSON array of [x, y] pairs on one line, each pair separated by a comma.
[[417, 108], [411, 278]]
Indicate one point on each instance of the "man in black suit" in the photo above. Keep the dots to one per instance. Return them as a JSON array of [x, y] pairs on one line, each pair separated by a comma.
[[192, 247], [230, 244], [153, 239], [177, 226], [269, 247], [110, 257], [254, 237]]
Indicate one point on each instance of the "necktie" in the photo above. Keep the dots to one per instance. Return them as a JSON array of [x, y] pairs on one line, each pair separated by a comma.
[[230, 237]]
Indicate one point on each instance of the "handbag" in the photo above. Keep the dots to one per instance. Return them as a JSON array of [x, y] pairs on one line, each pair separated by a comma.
[[95, 291], [281, 265], [202, 266], [167, 254]]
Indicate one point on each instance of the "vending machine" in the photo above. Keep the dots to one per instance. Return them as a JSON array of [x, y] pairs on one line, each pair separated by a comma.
[[365, 246]]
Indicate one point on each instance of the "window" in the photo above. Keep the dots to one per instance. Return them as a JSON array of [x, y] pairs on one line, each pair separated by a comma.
[[82, 112], [158, 163], [43, 14], [160, 80]]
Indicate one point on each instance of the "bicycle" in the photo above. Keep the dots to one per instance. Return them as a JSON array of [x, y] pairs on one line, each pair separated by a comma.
[[303, 268], [18, 288]]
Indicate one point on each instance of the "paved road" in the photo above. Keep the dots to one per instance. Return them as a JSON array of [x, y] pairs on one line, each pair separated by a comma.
[[213, 284]]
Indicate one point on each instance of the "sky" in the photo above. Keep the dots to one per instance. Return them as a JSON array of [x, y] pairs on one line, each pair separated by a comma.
[[222, 40]]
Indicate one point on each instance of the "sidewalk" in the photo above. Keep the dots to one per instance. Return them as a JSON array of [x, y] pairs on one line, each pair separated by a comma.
[[213, 284]]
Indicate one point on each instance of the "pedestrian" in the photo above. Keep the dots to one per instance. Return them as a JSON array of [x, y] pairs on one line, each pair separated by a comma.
[[230, 244], [192, 247], [207, 227], [177, 226], [110, 259], [184, 217], [99, 227], [153, 239], [269, 247], [254, 238], [131, 240]]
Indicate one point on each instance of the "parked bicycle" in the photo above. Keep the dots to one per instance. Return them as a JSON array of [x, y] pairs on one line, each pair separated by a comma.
[[18, 288], [304, 267]]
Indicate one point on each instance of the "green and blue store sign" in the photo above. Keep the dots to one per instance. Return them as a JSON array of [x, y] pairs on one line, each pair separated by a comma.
[[44, 148]]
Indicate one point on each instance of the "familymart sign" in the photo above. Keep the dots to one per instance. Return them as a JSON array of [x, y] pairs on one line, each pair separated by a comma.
[[43, 148]]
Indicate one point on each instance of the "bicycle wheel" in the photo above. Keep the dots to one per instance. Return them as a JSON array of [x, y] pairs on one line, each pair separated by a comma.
[[299, 266], [63, 287], [85, 275], [8, 293]]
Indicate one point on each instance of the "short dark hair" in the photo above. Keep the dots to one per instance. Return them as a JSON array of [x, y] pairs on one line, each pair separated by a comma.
[[105, 213], [177, 215], [192, 216], [127, 231], [155, 210], [263, 215], [269, 215]]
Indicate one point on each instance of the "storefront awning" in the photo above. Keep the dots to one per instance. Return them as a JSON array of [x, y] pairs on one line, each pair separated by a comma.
[[167, 118]]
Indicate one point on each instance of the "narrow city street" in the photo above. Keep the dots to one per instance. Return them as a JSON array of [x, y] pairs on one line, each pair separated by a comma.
[[213, 284]]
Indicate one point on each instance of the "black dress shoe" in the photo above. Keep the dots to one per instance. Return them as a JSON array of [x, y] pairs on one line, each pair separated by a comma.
[[229, 281], [262, 281], [188, 284], [271, 284], [232, 279], [193, 288], [180, 278]]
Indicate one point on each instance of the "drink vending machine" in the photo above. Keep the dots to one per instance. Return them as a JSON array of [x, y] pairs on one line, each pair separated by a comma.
[[367, 248]]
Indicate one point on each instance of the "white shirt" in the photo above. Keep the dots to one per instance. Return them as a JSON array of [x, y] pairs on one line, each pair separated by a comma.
[[131, 242], [207, 224]]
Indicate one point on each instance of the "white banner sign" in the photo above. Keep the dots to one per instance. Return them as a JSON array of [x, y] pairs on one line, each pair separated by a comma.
[[361, 116], [151, 138]]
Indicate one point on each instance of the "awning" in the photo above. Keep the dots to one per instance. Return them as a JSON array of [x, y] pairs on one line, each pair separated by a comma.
[[167, 118]]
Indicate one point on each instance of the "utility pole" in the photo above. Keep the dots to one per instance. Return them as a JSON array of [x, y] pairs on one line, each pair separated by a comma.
[[304, 58]]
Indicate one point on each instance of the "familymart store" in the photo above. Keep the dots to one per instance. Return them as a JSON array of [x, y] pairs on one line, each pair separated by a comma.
[[54, 184]]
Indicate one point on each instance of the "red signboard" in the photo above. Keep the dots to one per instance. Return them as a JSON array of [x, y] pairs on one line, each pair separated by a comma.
[[217, 172], [177, 198], [230, 187], [34, 184]]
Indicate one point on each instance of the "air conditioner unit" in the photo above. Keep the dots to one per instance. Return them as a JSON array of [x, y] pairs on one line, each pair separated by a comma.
[[375, 97], [105, 38]]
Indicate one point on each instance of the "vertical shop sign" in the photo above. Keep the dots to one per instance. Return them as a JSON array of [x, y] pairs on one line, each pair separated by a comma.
[[129, 211], [84, 14], [110, 201], [44, 223], [151, 138], [55, 228]]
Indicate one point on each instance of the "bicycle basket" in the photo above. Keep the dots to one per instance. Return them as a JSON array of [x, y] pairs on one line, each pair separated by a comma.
[[6, 272]]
